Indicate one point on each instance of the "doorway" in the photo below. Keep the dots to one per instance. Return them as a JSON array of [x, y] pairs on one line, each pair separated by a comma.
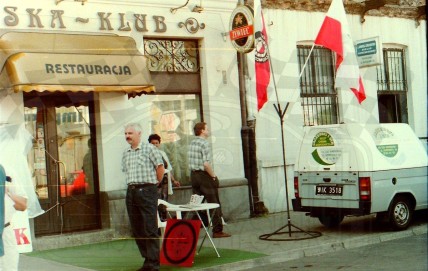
[[62, 160]]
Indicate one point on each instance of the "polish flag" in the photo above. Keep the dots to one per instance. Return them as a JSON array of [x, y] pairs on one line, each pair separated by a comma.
[[334, 35], [262, 64]]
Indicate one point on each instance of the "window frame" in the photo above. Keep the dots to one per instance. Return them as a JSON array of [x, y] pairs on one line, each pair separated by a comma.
[[392, 86], [318, 96]]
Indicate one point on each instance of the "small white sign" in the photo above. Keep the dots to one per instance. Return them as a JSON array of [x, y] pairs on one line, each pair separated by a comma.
[[369, 52], [196, 199], [21, 228]]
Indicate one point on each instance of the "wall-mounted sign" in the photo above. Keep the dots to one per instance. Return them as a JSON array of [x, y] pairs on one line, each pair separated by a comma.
[[242, 29], [369, 52]]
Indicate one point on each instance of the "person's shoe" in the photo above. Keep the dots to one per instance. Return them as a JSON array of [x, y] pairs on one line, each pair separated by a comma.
[[221, 235]]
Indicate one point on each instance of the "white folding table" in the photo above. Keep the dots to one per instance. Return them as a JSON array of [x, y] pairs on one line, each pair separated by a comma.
[[195, 208]]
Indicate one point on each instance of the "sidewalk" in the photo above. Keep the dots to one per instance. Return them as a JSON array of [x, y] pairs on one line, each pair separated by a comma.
[[354, 232]]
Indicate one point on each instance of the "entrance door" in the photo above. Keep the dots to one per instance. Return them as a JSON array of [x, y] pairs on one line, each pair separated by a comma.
[[62, 161]]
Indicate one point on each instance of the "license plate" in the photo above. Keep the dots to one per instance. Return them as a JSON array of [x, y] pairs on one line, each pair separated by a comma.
[[329, 190]]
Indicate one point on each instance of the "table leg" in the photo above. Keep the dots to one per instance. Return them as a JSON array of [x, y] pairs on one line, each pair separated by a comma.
[[207, 232]]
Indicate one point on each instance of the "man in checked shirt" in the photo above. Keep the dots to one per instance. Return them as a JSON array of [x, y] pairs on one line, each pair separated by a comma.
[[204, 180], [143, 166]]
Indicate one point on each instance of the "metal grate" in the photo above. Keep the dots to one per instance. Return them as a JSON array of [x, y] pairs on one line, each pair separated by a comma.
[[168, 55], [391, 76], [318, 95], [392, 87]]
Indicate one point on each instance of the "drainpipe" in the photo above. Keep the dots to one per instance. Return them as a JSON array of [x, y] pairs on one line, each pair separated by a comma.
[[248, 137]]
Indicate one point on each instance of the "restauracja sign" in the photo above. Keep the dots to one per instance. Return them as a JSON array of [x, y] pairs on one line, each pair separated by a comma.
[[56, 20], [88, 69]]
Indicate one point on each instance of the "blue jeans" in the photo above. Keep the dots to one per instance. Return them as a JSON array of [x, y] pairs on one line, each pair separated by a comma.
[[142, 206]]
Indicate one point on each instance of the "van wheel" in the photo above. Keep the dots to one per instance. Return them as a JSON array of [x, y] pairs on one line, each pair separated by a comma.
[[330, 221], [400, 213]]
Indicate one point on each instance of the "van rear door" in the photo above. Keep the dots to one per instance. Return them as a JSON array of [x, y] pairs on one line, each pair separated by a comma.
[[329, 189]]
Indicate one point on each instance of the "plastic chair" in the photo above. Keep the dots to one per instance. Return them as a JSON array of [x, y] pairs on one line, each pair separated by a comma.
[[162, 224]]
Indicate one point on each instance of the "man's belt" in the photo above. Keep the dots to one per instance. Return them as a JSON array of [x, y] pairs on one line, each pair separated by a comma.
[[7, 224], [198, 170], [139, 185]]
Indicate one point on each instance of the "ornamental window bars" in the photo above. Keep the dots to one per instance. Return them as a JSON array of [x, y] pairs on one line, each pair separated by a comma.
[[173, 56]]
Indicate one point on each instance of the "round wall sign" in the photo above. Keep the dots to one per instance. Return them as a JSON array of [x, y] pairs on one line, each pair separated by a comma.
[[241, 27]]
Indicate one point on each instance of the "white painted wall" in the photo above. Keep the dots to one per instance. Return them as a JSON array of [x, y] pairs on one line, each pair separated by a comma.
[[287, 28]]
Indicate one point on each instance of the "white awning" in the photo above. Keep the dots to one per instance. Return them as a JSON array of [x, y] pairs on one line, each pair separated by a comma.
[[59, 62]]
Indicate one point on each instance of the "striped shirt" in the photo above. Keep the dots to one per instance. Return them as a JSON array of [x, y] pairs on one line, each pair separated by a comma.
[[139, 165], [199, 152]]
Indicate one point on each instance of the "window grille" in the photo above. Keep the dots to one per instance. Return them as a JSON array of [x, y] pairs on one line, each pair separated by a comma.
[[391, 76], [317, 92], [392, 87], [173, 56]]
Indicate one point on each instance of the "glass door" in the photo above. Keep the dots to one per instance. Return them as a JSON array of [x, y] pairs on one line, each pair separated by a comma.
[[62, 161]]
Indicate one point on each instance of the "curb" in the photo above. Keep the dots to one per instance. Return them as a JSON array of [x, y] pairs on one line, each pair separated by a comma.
[[289, 255]]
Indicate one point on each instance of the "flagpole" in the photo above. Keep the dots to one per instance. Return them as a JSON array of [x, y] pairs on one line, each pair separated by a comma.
[[306, 61], [305, 234]]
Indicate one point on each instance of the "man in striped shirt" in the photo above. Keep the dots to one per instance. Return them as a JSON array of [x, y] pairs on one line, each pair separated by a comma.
[[204, 180], [143, 166]]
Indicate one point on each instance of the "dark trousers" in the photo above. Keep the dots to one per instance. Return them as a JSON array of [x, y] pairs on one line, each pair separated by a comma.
[[203, 184], [142, 206]]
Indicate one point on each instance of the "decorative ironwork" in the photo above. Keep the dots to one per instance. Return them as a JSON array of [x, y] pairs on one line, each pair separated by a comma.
[[192, 25], [172, 55], [173, 10]]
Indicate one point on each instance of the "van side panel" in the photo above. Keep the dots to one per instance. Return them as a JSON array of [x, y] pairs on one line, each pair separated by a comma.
[[386, 184]]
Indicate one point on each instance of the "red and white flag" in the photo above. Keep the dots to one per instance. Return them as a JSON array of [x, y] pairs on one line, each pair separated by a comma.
[[262, 64], [334, 35]]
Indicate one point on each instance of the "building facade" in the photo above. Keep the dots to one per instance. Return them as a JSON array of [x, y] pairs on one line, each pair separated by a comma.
[[75, 72]]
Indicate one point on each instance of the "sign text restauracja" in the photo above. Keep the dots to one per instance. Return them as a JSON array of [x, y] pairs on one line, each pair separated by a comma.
[[88, 69]]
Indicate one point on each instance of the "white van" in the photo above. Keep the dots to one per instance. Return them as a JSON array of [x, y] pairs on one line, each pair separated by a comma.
[[361, 169]]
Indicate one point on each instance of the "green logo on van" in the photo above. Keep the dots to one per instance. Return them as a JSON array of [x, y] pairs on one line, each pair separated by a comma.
[[326, 154], [319, 160], [322, 139], [388, 150]]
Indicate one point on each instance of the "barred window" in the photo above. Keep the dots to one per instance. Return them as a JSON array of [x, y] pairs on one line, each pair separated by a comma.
[[392, 87], [168, 55], [319, 97]]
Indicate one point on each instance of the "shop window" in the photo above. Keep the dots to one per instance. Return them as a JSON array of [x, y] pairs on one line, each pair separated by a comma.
[[176, 105], [392, 87], [317, 92], [168, 55], [173, 118]]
